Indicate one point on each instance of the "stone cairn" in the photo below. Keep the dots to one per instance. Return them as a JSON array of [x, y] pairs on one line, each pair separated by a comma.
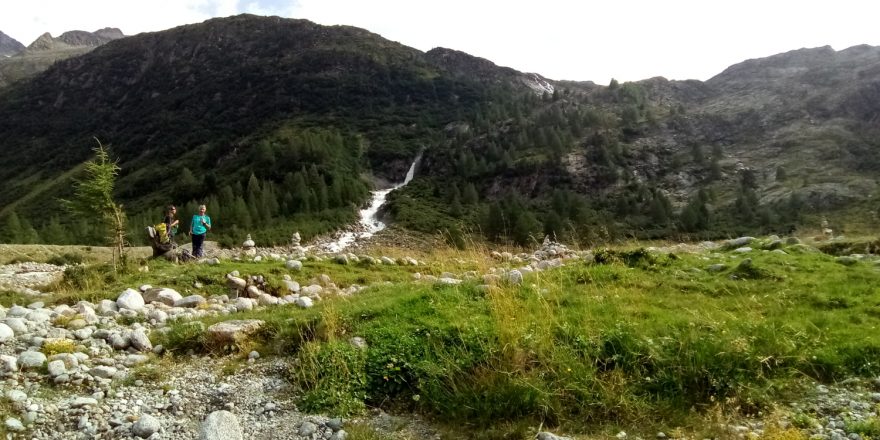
[[296, 248], [249, 248]]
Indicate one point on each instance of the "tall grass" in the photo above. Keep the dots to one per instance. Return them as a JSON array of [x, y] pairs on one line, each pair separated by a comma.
[[636, 339]]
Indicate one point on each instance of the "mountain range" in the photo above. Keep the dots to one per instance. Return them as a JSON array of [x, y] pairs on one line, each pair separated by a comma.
[[283, 124], [20, 62]]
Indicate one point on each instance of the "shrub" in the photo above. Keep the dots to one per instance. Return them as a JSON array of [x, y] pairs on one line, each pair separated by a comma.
[[332, 376], [66, 259], [182, 337], [55, 346]]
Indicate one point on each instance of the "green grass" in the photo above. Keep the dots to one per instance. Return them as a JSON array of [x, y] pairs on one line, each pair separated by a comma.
[[634, 339]]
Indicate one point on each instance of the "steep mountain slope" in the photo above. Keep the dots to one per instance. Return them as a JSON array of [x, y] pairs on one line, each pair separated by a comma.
[[283, 124], [755, 148], [9, 46], [225, 100]]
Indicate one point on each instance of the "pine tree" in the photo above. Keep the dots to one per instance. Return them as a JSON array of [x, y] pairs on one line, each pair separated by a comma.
[[470, 195], [187, 186], [553, 225], [54, 233], [455, 208], [525, 226], [12, 230], [494, 226], [660, 209], [29, 235]]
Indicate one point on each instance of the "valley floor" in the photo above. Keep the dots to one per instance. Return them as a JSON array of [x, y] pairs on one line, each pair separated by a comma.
[[91, 362]]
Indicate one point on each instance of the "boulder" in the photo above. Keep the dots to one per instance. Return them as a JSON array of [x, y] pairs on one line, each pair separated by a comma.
[[146, 426], [221, 425], [130, 299], [232, 332], [163, 295], [6, 333]]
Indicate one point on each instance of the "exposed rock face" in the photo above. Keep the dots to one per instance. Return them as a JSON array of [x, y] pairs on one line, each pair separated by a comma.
[[9, 46]]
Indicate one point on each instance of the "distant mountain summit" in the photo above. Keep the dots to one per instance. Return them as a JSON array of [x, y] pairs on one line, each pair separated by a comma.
[[24, 62], [9, 46]]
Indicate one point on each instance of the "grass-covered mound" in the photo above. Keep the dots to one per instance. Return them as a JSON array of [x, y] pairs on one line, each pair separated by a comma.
[[633, 338]]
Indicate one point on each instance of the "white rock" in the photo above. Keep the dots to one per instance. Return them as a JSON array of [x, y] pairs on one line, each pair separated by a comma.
[[292, 286], [80, 402], [294, 264], [267, 300], [8, 363], [242, 304], [158, 315], [221, 425], [38, 316], [190, 301], [139, 340], [146, 426], [107, 307], [314, 289], [103, 371], [17, 312], [14, 425], [230, 332], [70, 361], [304, 302], [6, 333], [446, 280], [163, 295], [31, 359], [56, 368], [16, 395], [514, 277], [130, 299]]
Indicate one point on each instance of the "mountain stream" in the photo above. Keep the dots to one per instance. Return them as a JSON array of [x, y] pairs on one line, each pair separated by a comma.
[[369, 223]]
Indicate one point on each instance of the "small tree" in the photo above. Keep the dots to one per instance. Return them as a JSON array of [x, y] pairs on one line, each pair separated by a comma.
[[93, 195]]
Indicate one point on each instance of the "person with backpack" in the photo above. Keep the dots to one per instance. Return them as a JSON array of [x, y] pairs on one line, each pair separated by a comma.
[[170, 222], [198, 229]]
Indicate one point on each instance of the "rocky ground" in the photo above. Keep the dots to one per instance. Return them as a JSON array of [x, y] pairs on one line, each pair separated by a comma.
[[104, 378]]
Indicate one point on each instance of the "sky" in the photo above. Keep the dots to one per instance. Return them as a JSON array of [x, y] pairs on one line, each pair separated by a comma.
[[584, 40]]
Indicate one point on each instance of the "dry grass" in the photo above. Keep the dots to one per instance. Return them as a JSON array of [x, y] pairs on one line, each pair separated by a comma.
[[43, 252]]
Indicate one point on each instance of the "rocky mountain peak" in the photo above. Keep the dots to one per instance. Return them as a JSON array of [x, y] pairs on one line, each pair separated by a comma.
[[110, 33], [91, 39], [43, 42], [9, 46]]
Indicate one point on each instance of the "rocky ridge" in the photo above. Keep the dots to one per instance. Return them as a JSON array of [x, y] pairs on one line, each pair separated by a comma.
[[91, 370], [24, 62], [9, 46]]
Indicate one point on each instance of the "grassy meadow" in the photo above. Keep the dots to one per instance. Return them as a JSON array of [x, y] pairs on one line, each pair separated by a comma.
[[643, 340]]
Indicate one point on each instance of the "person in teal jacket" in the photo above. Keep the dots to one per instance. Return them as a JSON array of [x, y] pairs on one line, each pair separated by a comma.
[[198, 228]]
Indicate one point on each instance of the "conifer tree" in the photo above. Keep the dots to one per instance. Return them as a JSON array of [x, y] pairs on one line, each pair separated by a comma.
[[12, 229], [94, 198], [54, 233], [470, 195], [494, 226]]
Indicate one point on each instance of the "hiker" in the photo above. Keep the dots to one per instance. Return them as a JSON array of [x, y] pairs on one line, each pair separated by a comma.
[[170, 222], [198, 228]]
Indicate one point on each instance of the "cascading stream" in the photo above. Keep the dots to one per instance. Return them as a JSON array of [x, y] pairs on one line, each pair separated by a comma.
[[369, 223]]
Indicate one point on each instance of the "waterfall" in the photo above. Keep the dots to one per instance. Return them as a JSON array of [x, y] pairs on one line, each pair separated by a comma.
[[368, 223]]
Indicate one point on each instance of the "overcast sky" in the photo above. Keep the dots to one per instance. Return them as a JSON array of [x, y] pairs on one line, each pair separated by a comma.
[[582, 40]]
